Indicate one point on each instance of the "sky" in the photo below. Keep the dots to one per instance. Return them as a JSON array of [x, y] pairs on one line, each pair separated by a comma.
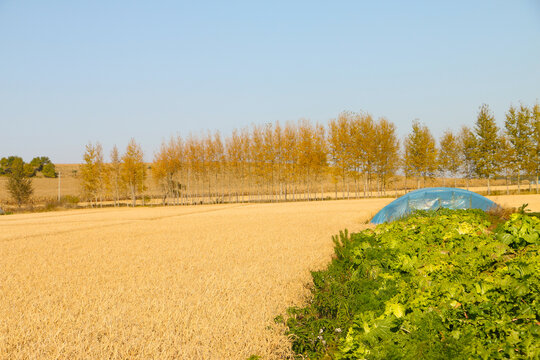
[[74, 72]]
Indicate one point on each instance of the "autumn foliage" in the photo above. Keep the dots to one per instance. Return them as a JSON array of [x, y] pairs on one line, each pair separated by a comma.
[[352, 155]]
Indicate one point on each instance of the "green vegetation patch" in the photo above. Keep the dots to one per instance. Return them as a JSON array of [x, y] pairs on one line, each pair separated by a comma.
[[434, 285]]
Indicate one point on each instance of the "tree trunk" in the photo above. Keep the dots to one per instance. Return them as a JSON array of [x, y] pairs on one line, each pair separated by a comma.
[[133, 199], [405, 184], [343, 187], [364, 184]]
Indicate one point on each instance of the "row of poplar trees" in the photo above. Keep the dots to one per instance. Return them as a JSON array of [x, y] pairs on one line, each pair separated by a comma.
[[484, 151], [124, 176], [353, 154]]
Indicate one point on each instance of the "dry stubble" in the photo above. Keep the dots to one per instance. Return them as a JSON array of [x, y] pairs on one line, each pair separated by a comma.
[[182, 282]]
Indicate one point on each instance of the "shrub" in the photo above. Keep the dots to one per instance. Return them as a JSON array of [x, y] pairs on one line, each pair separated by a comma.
[[19, 185], [70, 199], [49, 170]]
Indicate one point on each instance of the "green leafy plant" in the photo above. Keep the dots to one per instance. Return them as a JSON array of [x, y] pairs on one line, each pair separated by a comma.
[[433, 285]]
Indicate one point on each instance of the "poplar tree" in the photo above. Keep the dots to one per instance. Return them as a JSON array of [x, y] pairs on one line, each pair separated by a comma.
[[134, 170], [535, 142], [92, 173], [339, 143], [214, 158], [448, 155], [290, 156], [268, 158], [218, 163], [320, 156], [305, 153], [247, 165], [115, 176], [233, 146], [257, 155], [487, 146], [191, 151], [362, 148], [166, 166], [467, 153], [279, 158], [518, 131], [386, 157], [420, 153], [102, 174], [506, 158], [312, 153]]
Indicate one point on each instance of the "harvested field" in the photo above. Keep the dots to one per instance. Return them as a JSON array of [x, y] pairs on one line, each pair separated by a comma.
[[515, 201], [181, 282]]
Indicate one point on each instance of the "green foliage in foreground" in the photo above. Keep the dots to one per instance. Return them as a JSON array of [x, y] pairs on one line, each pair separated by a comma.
[[432, 286]]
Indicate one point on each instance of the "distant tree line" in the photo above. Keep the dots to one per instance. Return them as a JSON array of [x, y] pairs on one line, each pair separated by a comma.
[[40, 164], [19, 174], [354, 152]]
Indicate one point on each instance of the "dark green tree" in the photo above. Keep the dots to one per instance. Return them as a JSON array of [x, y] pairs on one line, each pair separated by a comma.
[[49, 170], [19, 185], [39, 162], [29, 170], [7, 163]]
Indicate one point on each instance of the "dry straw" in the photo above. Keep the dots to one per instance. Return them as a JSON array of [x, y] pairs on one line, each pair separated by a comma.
[[165, 283]]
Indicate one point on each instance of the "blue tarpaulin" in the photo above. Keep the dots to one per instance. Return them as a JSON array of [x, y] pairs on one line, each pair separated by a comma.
[[432, 199]]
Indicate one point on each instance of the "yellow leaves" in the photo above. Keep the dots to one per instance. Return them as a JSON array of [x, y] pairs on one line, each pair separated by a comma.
[[465, 228], [394, 308], [420, 152]]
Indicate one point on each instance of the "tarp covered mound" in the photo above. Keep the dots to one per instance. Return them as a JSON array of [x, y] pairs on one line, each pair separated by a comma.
[[432, 199]]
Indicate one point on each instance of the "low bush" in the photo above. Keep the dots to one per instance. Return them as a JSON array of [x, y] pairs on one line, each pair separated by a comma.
[[431, 286], [70, 200]]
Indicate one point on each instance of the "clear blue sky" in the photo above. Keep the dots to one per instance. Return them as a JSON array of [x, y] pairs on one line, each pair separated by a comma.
[[78, 71]]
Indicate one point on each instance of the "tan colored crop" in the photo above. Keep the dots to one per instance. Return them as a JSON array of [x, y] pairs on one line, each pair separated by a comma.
[[199, 282]]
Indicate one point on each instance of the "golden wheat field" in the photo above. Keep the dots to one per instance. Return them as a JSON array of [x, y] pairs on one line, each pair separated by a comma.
[[180, 282]]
